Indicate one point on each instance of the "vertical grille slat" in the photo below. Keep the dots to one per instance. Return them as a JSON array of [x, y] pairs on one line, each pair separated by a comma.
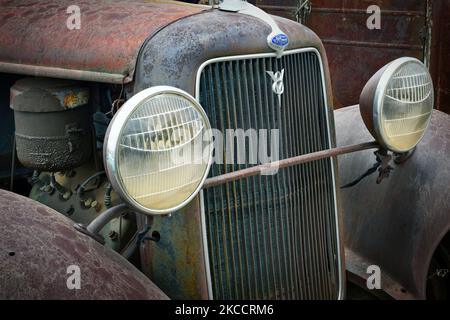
[[248, 124], [275, 285], [237, 187], [215, 255], [270, 194], [256, 217], [271, 237], [231, 189], [260, 103], [295, 173], [246, 205], [315, 204], [281, 187]]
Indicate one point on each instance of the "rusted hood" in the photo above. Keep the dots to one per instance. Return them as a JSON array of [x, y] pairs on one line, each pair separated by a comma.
[[35, 34]]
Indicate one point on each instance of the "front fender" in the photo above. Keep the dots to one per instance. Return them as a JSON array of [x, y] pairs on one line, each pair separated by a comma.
[[398, 224], [41, 251]]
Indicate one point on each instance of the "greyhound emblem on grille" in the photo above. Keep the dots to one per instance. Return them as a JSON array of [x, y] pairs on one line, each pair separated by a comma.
[[278, 84]]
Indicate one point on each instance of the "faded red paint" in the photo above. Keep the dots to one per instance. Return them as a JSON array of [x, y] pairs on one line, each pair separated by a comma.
[[111, 35]]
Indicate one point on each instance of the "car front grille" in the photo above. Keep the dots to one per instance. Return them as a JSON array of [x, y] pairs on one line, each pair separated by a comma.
[[272, 237]]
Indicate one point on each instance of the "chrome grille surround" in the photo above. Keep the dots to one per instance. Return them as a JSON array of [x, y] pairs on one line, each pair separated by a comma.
[[339, 262]]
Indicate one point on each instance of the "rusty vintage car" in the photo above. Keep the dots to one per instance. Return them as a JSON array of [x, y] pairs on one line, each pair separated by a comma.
[[99, 100]]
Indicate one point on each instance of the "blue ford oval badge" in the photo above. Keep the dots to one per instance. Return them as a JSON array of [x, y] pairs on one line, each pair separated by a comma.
[[280, 40]]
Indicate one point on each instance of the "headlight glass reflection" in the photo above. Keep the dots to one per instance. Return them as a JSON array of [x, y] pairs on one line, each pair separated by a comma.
[[162, 157], [406, 107]]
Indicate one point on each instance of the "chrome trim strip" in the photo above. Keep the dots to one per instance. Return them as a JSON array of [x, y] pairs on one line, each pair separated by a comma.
[[341, 292], [205, 246]]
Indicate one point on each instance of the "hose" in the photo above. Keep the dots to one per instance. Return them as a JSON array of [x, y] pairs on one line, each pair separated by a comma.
[[106, 217]]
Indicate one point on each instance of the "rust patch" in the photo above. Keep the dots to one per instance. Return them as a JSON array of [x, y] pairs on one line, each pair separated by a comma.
[[108, 41]]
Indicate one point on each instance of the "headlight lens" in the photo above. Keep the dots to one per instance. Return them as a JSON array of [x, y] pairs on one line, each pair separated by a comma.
[[157, 153], [398, 102]]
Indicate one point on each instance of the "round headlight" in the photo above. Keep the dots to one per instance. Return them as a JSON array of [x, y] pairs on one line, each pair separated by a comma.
[[157, 154], [397, 103]]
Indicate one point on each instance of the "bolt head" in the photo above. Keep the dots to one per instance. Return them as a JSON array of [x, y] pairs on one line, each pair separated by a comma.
[[88, 202], [112, 235], [96, 205]]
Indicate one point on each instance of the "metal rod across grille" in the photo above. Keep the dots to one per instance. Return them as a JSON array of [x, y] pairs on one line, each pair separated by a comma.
[[272, 237]]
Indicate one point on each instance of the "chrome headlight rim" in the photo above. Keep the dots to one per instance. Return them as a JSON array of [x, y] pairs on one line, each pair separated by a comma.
[[378, 102], [112, 141]]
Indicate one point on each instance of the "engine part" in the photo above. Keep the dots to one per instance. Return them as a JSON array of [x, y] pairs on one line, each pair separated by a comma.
[[53, 131], [85, 205]]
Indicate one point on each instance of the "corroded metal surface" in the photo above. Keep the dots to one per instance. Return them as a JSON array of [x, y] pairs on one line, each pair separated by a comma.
[[53, 141], [357, 268], [176, 260], [34, 35], [86, 206], [50, 115], [37, 245], [172, 57], [440, 53], [397, 224]]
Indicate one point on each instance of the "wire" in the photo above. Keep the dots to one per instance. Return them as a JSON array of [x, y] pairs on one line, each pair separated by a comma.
[[82, 187], [116, 104], [371, 170], [107, 196]]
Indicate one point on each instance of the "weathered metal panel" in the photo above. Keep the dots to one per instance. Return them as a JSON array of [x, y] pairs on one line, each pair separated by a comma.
[[355, 53], [397, 224], [357, 267], [172, 57], [440, 53], [35, 35], [176, 262], [38, 245]]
